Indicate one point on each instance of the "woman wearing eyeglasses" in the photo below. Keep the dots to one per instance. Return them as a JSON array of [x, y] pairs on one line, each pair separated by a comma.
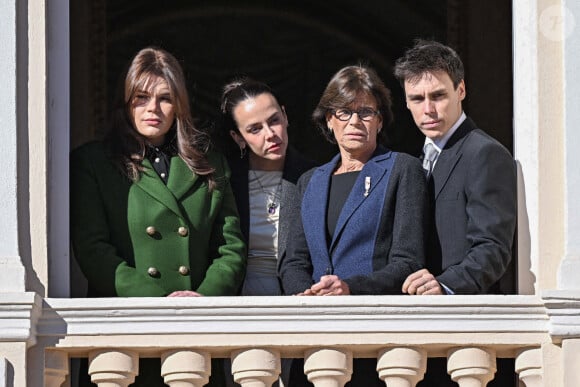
[[363, 214], [361, 225]]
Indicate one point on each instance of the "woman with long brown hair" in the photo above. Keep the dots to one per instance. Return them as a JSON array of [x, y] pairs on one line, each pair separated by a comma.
[[152, 210]]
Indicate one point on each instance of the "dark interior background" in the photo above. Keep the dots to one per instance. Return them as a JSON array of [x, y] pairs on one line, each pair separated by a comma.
[[293, 45]]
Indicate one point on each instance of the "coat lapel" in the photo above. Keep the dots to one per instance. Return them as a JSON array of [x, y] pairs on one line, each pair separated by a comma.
[[181, 178], [151, 183], [314, 205], [287, 190], [450, 156], [239, 182], [446, 162], [375, 171]]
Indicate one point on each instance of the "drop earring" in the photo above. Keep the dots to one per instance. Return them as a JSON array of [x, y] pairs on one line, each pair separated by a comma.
[[242, 151]]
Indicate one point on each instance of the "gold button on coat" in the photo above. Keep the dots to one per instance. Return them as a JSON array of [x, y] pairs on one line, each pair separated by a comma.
[[153, 272], [183, 270], [182, 231], [151, 230]]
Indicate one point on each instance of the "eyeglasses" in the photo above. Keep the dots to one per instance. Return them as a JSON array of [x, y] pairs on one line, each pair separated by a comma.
[[365, 114]]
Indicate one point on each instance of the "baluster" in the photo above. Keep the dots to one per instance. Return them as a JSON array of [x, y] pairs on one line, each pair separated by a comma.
[[328, 367], [402, 367], [55, 368], [471, 367], [256, 367], [529, 367], [184, 368], [113, 368]]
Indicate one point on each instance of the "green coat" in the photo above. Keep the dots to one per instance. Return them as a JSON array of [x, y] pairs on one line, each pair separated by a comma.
[[148, 239]]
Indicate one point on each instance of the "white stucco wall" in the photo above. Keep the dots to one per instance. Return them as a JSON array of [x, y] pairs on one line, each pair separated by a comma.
[[542, 120], [12, 272], [570, 19], [8, 220], [58, 148]]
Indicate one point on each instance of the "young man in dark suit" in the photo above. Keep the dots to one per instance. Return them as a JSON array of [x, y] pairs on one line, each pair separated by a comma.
[[472, 181], [472, 177]]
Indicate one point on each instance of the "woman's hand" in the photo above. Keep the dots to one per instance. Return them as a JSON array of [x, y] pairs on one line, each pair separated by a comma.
[[307, 292], [329, 285], [185, 293]]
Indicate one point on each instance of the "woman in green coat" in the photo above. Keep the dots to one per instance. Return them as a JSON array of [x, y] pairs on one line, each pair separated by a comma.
[[152, 210]]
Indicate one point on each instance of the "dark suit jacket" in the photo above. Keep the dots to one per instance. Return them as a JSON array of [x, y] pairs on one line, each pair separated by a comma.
[[294, 166], [474, 193], [110, 216], [379, 238]]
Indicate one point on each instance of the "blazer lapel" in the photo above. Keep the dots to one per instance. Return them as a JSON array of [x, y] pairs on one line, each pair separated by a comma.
[[450, 156], [287, 191], [446, 162], [151, 183], [314, 204], [374, 171]]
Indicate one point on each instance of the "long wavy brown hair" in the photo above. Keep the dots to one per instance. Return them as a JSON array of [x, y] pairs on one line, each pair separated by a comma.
[[128, 145]]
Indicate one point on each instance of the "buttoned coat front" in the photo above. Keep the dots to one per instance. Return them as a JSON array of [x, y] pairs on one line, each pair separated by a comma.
[[146, 238]]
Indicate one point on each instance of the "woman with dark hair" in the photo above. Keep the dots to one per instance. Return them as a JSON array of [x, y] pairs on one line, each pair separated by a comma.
[[360, 229], [264, 176], [152, 211]]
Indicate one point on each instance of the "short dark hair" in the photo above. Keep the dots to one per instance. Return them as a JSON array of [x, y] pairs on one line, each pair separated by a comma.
[[428, 56], [343, 89], [237, 92]]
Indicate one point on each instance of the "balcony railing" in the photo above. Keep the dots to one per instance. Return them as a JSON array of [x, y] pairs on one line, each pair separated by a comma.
[[401, 332]]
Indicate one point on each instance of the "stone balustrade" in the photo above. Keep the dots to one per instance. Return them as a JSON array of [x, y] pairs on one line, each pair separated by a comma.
[[401, 332]]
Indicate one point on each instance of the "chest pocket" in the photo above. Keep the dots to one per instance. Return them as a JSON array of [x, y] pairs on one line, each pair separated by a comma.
[[449, 196]]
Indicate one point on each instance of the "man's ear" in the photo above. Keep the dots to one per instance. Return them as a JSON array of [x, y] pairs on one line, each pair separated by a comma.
[[462, 90]]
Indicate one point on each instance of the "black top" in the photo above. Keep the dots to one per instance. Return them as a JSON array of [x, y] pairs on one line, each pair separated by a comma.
[[160, 158], [340, 187]]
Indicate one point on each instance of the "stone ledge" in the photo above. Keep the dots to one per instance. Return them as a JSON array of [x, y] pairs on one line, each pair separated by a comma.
[[19, 313], [294, 323], [563, 310]]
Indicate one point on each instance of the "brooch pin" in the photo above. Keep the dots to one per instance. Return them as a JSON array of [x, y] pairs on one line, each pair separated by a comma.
[[367, 185]]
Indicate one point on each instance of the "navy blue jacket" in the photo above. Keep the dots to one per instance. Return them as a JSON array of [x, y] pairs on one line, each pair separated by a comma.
[[379, 238]]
